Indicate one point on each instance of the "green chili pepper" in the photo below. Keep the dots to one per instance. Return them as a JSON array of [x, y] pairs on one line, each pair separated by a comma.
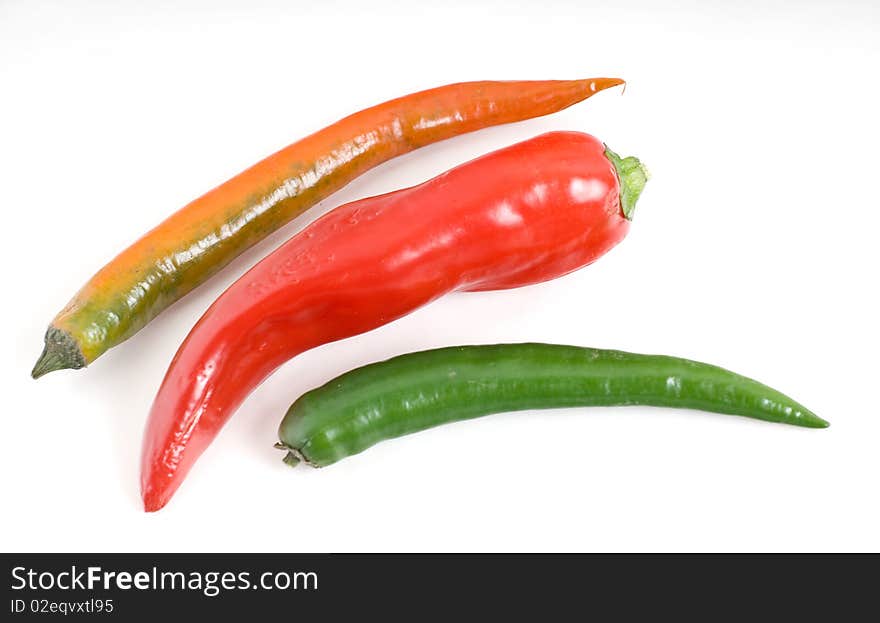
[[420, 390]]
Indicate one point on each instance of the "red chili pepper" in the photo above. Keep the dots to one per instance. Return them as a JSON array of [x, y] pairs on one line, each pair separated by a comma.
[[521, 215]]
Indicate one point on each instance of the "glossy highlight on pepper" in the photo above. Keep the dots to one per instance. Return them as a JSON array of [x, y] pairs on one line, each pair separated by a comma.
[[205, 235], [421, 390], [521, 215]]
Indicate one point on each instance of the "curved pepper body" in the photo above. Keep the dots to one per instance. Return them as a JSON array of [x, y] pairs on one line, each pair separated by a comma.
[[421, 390], [205, 235], [524, 214]]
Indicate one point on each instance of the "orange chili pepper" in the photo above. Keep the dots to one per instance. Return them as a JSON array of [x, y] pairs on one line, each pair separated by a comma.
[[205, 235]]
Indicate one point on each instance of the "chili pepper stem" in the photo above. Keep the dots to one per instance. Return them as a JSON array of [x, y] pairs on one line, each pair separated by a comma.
[[60, 352], [293, 456], [633, 176]]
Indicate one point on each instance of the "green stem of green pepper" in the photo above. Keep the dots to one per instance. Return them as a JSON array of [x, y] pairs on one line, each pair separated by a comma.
[[421, 390]]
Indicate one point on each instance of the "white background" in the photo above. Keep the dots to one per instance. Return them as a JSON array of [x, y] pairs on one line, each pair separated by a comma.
[[753, 247]]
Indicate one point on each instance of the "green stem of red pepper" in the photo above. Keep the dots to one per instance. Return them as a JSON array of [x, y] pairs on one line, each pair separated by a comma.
[[633, 176]]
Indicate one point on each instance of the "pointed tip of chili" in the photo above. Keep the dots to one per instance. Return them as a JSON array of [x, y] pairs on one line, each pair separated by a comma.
[[154, 500], [61, 352], [811, 420], [600, 84], [632, 175]]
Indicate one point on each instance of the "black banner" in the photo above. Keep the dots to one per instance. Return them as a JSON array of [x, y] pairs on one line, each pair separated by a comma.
[[132, 587]]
